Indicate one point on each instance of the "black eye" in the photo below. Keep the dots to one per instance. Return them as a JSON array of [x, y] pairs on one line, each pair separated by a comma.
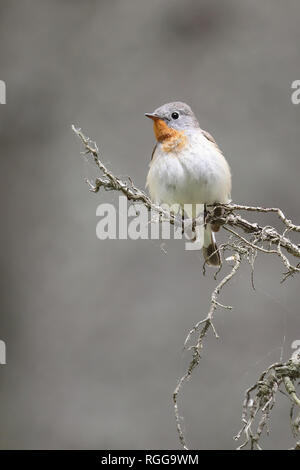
[[175, 115]]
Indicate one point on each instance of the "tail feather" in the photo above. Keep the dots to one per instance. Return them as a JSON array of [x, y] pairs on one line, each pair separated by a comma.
[[210, 250]]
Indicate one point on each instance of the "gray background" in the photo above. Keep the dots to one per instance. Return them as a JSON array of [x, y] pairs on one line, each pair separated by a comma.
[[94, 330]]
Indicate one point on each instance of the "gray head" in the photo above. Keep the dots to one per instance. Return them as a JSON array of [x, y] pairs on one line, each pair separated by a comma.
[[177, 115]]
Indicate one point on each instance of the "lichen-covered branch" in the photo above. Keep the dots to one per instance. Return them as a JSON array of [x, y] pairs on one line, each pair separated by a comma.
[[260, 399], [245, 240]]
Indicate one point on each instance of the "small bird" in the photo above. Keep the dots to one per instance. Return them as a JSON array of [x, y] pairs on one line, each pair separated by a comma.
[[187, 167]]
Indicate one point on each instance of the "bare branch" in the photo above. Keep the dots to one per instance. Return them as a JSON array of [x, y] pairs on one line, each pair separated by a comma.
[[279, 212], [260, 398]]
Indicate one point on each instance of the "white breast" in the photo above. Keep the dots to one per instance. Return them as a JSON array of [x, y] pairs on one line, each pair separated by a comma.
[[197, 174]]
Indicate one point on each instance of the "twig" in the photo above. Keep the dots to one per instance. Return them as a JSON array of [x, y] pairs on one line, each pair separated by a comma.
[[208, 323]]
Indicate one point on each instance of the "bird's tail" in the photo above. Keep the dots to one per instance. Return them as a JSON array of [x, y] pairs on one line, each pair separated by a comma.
[[210, 250]]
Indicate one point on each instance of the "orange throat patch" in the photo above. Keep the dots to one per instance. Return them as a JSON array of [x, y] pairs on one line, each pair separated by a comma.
[[171, 139]]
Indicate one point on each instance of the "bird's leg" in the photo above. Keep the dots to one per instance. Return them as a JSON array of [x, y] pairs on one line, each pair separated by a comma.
[[194, 224], [204, 215], [217, 212], [182, 220]]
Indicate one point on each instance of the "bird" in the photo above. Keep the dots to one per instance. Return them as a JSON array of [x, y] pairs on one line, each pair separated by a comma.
[[187, 168]]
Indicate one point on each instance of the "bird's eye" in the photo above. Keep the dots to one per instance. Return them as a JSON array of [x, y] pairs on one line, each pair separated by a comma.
[[175, 115]]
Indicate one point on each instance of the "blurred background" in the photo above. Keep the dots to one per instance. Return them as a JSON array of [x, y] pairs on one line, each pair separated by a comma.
[[94, 329]]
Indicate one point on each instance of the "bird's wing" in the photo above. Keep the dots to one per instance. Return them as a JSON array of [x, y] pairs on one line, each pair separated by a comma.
[[210, 138], [153, 151]]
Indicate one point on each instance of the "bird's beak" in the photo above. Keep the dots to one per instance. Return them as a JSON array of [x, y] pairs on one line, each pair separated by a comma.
[[152, 116]]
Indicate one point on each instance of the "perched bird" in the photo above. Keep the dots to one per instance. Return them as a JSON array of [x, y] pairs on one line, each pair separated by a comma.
[[187, 167]]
